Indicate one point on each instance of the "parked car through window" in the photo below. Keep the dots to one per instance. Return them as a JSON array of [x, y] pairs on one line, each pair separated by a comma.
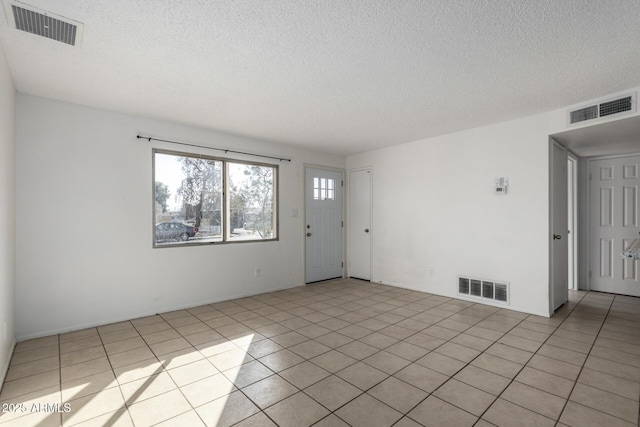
[[174, 231]]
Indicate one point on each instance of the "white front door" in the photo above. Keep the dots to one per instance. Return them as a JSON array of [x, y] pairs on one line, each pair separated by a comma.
[[614, 224], [360, 224], [323, 226], [559, 228]]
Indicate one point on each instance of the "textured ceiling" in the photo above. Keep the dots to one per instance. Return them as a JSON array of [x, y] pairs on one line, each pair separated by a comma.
[[341, 76]]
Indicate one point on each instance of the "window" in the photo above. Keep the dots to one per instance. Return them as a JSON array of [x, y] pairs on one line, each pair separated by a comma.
[[251, 207], [323, 189], [204, 200]]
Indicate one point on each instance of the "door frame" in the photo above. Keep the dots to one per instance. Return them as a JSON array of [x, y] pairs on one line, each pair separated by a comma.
[[573, 216], [588, 209], [348, 187], [342, 171], [551, 289]]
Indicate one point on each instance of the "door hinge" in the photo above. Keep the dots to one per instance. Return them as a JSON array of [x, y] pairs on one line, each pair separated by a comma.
[[590, 177], [589, 273], [341, 183], [342, 224], [342, 265]]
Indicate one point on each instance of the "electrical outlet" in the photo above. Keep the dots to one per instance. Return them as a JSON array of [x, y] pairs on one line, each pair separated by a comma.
[[258, 272], [431, 272]]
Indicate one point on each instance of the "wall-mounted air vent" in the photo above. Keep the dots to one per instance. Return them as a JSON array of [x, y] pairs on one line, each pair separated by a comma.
[[501, 292], [582, 114], [41, 23], [476, 288], [483, 289], [624, 104], [463, 285], [620, 105], [487, 290]]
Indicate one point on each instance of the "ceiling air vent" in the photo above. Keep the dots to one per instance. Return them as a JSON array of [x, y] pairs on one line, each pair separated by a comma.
[[624, 104], [41, 23], [621, 105], [582, 114]]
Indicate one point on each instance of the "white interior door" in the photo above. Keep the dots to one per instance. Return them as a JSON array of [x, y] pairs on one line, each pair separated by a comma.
[[360, 224], [323, 226], [613, 224], [559, 235]]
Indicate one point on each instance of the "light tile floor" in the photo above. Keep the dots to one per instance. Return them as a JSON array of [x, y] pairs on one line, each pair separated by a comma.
[[338, 353]]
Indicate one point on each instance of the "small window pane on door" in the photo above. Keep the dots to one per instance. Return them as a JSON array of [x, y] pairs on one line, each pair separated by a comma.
[[323, 189]]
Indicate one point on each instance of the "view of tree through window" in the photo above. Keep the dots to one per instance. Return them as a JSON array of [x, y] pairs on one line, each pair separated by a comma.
[[190, 206], [251, 201]]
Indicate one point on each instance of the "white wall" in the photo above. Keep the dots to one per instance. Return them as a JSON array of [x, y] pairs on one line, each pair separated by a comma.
[[434, 206], [84, 213], [7, 213]]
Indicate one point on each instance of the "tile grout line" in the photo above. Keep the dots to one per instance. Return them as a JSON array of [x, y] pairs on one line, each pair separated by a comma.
[[413, 362], [353, 340], [410, 362], [513, 379], [468, 364], [291, 303], [102, 345], [163, 368], [583, 367], [333, 412], [585, 360], [114, 417], [254, 359], [536, 352], [263, 411], [60, 375], [238, 389], [406, 302], [416, 332]]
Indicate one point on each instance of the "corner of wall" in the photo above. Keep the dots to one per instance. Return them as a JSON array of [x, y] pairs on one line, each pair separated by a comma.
[[7, 213]]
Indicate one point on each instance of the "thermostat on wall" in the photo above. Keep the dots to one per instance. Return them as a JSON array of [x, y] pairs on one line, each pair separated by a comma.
[[501, 185]]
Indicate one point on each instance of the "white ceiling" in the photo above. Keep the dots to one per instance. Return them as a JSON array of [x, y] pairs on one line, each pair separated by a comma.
[[341, 76]]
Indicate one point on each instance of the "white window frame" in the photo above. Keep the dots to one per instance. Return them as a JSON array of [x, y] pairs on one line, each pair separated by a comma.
[[225, 233]]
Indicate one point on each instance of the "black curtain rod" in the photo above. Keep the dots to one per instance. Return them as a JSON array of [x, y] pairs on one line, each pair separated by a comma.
[[148, 138]]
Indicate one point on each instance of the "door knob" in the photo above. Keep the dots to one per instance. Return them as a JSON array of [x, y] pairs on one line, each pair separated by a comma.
[[308, 234], [366, 230], [557, 237]]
